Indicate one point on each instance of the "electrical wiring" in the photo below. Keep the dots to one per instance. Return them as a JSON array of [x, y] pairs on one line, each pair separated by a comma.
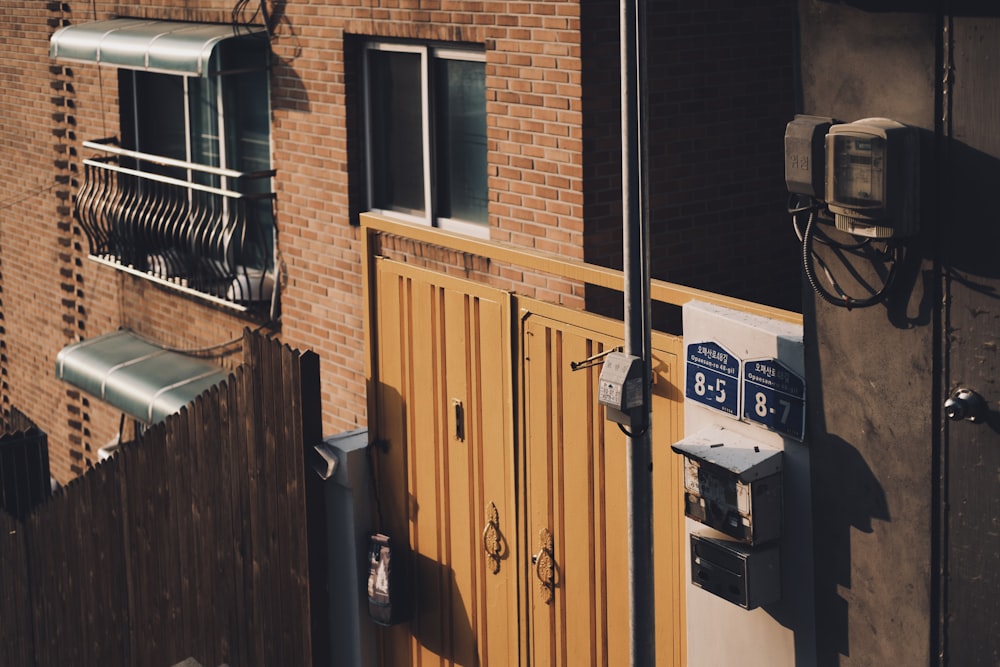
[[836, 295], [25, 196], [260, 11]]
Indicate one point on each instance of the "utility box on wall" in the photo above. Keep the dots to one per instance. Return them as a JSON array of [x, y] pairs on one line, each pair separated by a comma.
[[745, 576], [732, 484]]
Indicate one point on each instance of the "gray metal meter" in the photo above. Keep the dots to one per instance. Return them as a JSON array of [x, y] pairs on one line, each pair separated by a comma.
[[620, 387]]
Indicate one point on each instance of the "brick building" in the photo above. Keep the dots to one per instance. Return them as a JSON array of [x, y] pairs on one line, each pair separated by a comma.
[[518, 141]]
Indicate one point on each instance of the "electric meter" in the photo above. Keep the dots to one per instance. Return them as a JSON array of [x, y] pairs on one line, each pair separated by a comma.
[[872, 177]]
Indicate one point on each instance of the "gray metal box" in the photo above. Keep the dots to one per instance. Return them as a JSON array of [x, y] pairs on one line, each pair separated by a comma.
[[805, 154], [746, 576], [732, 484]]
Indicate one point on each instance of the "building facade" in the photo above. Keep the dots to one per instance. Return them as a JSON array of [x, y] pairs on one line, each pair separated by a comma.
[[214, 181]]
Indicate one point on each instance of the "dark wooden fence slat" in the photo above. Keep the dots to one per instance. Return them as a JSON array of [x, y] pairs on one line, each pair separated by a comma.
[[190, 542], [240, 618], [15, 630]]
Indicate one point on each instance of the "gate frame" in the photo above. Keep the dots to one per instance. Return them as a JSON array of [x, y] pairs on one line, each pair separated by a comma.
[[374, 226]]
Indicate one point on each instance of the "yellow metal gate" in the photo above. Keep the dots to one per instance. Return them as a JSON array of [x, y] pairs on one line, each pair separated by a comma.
[[576, 577], [513, 564], [443, 418]]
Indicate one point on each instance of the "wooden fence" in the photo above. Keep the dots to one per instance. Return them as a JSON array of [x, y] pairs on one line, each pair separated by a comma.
[[24, 465], [189, 542]]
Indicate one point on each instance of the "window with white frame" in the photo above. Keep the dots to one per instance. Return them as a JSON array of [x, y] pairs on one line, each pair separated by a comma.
[[426, 134]]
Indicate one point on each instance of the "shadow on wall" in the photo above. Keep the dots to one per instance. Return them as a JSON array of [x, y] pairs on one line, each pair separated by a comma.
[[971, 233], [285, 49], [853, 498], [438, 617], [437, 620], [441, 623]]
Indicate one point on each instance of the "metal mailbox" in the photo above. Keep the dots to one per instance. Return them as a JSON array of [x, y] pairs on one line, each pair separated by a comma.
[[746, 576], [732, 484]]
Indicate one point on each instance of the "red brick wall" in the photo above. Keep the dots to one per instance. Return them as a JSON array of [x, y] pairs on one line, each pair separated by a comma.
[[39, 297], [721, 90]]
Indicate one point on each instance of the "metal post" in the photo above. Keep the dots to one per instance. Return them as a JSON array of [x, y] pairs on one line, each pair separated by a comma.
[[635, 241]]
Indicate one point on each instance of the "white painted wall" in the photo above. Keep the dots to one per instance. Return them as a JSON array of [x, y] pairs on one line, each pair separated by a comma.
[[722, 634]]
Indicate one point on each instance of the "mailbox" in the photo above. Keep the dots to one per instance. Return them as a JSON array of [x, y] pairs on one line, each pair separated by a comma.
[[732, 484], [746, 576]]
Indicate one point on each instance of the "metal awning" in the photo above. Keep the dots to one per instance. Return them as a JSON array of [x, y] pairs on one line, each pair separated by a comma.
[[172, 47], [139, 378]]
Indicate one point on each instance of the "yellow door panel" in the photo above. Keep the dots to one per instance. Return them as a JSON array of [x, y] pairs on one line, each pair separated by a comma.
[[575, 487], [444, 414]]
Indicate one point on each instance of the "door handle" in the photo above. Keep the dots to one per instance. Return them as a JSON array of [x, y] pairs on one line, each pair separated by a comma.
[[492, 540], [545, 566]]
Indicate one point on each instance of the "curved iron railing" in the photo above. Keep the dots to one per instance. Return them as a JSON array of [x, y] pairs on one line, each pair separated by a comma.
[[209, 232]]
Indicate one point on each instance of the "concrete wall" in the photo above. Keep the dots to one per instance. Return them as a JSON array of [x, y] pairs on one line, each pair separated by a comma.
[[905, 502]]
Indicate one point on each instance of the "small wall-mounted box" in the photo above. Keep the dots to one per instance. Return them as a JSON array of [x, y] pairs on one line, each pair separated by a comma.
[[619, 388], [732, 484], [746, 576]]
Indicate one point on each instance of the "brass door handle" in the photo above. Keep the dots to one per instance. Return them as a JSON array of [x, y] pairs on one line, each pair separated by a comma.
[[492, 541], [545, 566]]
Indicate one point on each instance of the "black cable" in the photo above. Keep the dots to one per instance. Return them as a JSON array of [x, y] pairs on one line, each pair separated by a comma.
[[10, 203], [841, 299], [630, 434], [815, 206]]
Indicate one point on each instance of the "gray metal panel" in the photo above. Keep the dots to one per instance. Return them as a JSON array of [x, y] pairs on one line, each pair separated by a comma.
[[162, 46], [747, 459], [137, 377]]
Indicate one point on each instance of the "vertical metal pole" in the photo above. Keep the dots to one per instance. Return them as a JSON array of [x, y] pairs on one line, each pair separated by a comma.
[[635, 241]]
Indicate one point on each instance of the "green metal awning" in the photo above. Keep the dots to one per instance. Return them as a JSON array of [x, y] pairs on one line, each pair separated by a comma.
[[172, 47], [139, 378]]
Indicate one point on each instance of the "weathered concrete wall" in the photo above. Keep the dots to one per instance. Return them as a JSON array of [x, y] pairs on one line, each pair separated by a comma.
[[871, 371], [906, 502]]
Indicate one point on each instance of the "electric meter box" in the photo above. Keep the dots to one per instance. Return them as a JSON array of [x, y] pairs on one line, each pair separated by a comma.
[[732, 484], [805, 155], [872, 177], [746, 576], [620, 386]]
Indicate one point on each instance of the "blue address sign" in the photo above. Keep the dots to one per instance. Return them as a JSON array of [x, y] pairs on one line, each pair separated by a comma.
[[774, 396], [712, 377]]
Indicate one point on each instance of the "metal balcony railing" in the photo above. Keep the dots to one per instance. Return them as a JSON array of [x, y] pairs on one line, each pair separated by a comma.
[[201, 229]]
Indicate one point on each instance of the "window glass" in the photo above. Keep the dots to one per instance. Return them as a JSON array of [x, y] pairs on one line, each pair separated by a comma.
[[204, 137], [248, 122], [160, 119], [248, 149], [461, 139], [396, 131]]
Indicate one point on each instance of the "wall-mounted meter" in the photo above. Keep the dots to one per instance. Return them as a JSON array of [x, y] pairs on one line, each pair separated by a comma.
[[872, 177], [732, 484], [620, 386]]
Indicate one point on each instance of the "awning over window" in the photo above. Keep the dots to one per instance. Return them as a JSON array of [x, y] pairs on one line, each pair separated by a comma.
[[171, 47], [137, 377]]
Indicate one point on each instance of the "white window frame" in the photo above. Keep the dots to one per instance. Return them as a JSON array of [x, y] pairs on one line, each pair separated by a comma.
[[428, 54]]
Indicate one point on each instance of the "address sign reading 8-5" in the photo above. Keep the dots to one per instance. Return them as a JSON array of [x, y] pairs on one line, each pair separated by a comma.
[[713, 377]]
